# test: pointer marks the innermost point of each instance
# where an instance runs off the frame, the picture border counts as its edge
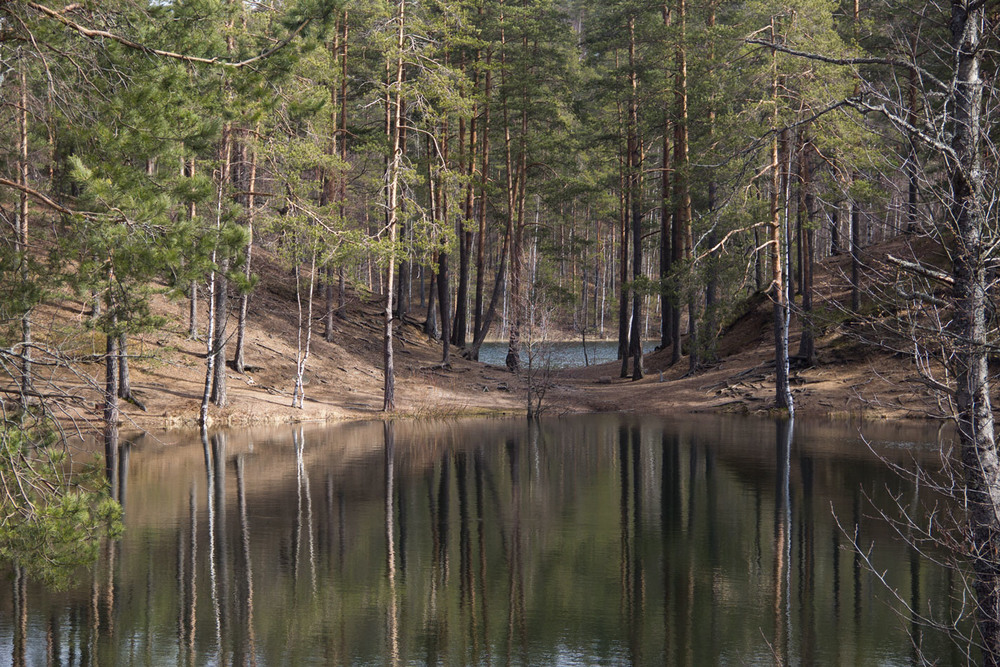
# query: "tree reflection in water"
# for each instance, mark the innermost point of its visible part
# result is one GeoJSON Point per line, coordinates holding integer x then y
{"type": "Point", "coordinates": [590, 540]}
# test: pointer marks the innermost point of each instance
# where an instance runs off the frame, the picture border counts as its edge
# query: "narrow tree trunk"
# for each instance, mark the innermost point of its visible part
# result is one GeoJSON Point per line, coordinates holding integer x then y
{"type": "Point", "coordinates": [624, 305]}
{"type": "Point", "coordinates": [342, 194]}
{"type": "Point", "coordinates": [911, 161]}
{"type": "Point", "coordinates": [22, 223]}
{"type": "Point", "coordinates": [187, 171]}
{"type": "Point", "coordinates": [835, 248]}
{"type": "Point", "coordinates": [302, 351]}
{"type": "Point", "coordinates": [481, 237]}
{"type": "Point", "coordinates": [970, 327]}
{"type": "Point", "coordinates": [111, 406]}
{"type": "Point", "coordinates": [464, 230]}
{"type": "Point", "coordinates": [239, 357]}
{"type": "Point", "coordinates": [807, 345]}
{"type": "Point", "coordinates": [330, 309]}
{"type": "Point", "coordinates": [518, 301]}
{"type": "Point", "coordinates": [635, 200]}
{"type": "Point", "coordinates": [393, 176]}
{"type": "Point", "coordinates": [221, 309]}
{"type": "Point", "coordinates": [124, 377]}
{"type": "Point", "coordinates": [682, 190]}
{"type": "Point", "coordinates": [855, 257]}
{"type": "Point", "coordinates": [445, 306]}
{"type": "Point", "coordinates": [193, 310]}
{"type": "Point", "coordinates": [341, 293]}
{"type": "Point", "coordinates": [221, 287]}
{"type": "Point", "coordinates": [783, 397]}
{"type": "Point", "coordinates": [439, 213]}
{"type": "Point", "coordinates": [712, 286]}
{"type": "Point", "coordinates": [403, 284]}
{"type": "Point", "coordinates": [210, 355]}
{"type": "Point", "coordinates": [431, 319]}
{"type": "Point", "coordinates": [329, 181]}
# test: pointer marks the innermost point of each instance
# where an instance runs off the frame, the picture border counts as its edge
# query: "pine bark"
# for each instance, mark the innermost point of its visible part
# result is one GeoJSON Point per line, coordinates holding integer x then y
{"type": "Point", "coordinates": [220, 291]}
{"type": "Point", "coordinates": [778, 291]}
{"type": "Point", "coordinates": [187, 170]}
{"type": "Point", "coordinates": [682, 192]}
{"type": "Point", "coordinates": [328, 188]}
{"type": "Point", "coordinates": [239, 356]}
{"type": "Point", "coordinates": [112, 413]}
{"type": "Point", "coordinates": [21, 244]}
{"type": "Point", "coordinates": [393, 175]}
{"type": "Point", "coordinates": [666, 301]}
{"type": "Point", "coordinates": [635, 200]}
{"type": "Point", "coordinates": [480, 324]}
{"type": "Point", "coordinates": [855, 257]}
{"type": "Point", "coordinates": [221, 309]}
{"type": "Point", "coordinates": [465, 226]}
{"type": "Point", "coordinates": [624, 304]}
{"type": "Point", "coordinates": [807, 344]}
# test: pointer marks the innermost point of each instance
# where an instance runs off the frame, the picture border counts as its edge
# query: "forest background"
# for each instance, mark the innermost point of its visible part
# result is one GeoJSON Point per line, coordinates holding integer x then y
{"type": "Point", "coordinates": [625, 169]}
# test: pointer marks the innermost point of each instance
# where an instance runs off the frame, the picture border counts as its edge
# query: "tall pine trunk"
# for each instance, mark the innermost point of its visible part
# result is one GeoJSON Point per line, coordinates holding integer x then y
{"type": "Point", "coordinates": [783, 396]}
{"type": "Point", "coordinates": [221, 287]}
{"type": "Point", "coordinates": [807, 345]}
{"type": "Point", "coordinates": [187, 171]}
{"type": "Point", "coordinates": [395, 93]}
{"type": "Point", "coordinates": [666, 216]}
{"type": "Point", "coordinates": [465, 226]}
{"type": "Point", "coordinates": [239, 356]}
{"type": "Point", "coordinates": [480, 324]}
{"type": "Point", "coordinates": [623, 236]}
{"type": "Point", "coordinates": [635, 207]}
{"type": "Point", "coordinates": [682, 192]}
{"type": "Point", "coordinates": [21, 244]}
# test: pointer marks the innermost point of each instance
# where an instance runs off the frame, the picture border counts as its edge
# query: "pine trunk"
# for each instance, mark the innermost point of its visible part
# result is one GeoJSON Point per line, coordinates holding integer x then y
{"type": "Point", "coordinates": [22, 225]}
{"type": "Point", "coordinates": [112, 413]}
{"type": "Point", "coordinates": [219, 397]}
{"type": "Point", "coordinates": [783, 397]}
{"type": "Point", "coordinates": [635, 208]}
{"type": "Point", "coordinates": [394, 124]}
{"type": "Point", "coordinates": [855, 257]}
{"type": "Point", "coordinates": [239, 356]}
{"type": "Point", "coordinates": [682, 192]}
{"type": "Point", "coordinates": [480, 323]}
{"type": "Point", "coordinates": [807, 345]}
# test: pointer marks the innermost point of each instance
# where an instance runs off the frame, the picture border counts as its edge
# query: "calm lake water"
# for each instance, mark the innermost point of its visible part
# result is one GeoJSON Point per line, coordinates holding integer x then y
{"type": "Point", "coordinates": [590, 540]}
{"type": "Point", "coordinates": [565, 354]}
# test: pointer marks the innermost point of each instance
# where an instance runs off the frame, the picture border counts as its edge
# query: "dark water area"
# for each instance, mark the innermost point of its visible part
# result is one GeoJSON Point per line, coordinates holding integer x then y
{"type": "Point", "coordinates": [564, 354]}
{"type": "Point", "coordinates": [594, 540]}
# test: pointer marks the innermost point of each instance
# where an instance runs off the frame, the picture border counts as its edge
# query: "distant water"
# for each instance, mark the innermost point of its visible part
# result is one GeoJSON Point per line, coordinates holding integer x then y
{"type": "Point", "coordinates": [562, 355]}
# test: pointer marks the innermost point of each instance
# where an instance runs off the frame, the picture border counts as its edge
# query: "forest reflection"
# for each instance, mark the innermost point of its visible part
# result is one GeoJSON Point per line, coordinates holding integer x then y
{"type": "Point", "coordinates": [599, 539]}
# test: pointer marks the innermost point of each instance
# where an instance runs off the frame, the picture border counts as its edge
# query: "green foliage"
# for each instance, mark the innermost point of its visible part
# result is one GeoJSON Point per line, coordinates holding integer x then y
{"type": "Point", "coordinates": [55, 512]}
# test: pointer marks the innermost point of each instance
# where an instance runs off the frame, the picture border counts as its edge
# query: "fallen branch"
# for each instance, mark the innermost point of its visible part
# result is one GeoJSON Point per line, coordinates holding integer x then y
{"type": "Point", "coordinates": [922, 270]}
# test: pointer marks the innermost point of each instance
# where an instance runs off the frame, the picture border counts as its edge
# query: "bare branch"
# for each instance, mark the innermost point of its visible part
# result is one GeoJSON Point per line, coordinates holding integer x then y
{"type": "Point", "coordinates": [847, 62]}
{"type": "Point", "coordinates": [922, 270]}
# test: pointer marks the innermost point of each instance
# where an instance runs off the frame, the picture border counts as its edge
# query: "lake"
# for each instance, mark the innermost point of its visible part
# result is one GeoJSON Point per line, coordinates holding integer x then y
{"type": "Point", "coordinates": [563, 354]}
{"type": "Point", "coordinates": [591, 540]}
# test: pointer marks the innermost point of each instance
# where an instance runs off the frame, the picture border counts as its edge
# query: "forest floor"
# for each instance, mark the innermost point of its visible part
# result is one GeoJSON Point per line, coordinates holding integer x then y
{"type": "Point", "coordinates": [344, 377]}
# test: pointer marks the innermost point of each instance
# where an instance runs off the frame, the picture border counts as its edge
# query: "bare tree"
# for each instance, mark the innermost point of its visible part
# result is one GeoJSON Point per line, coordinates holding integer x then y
{"type": "Point", "coordinates": [953, 331]}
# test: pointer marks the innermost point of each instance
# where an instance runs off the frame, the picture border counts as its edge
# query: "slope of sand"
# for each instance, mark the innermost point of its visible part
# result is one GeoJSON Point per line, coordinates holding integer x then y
{"type": "Point", "coordinates": [344, 377]}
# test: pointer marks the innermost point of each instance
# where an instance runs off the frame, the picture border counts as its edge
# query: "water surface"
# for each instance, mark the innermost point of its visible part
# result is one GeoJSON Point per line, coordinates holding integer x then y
{"type": "Point", "coordinates": [595, 540]}
{"type": "Point", "coordinates": [563, 354]}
